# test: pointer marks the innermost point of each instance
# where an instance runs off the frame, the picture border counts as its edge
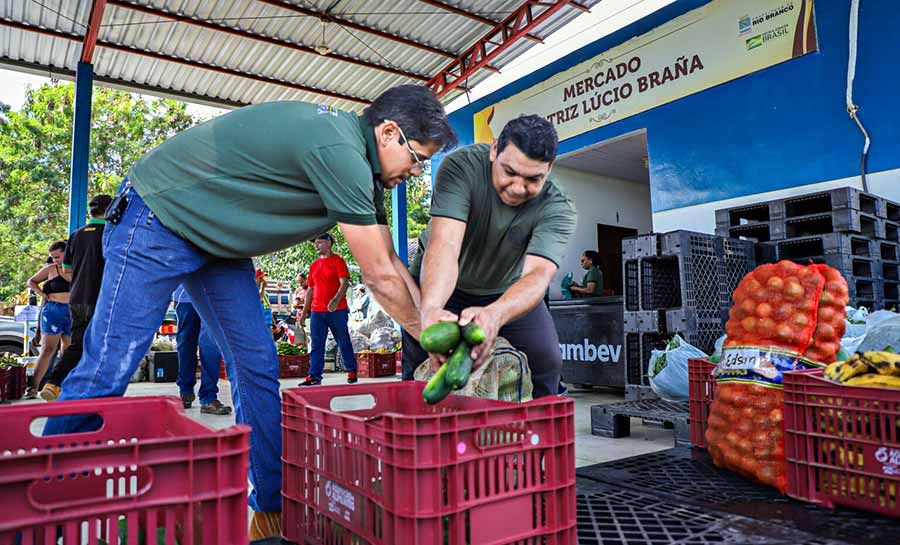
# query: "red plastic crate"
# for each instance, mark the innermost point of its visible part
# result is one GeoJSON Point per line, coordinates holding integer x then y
{"type": "Point", "coordinates": [372, 365]}
{"type": "Point", "coordinates": [293, 366]}
{"type": "Point", "coordinates": [17, 384]}
{"type": "Point", "coordinates": [159, 470]}
{"type": "Point", "coordinates": [4, 384]}
{"type": "Point", "coordinates": [702, 388]}
{"type": "Point", "coordinates": [400, 471]}
{"type": "Point", "coordinates": [842, 443]}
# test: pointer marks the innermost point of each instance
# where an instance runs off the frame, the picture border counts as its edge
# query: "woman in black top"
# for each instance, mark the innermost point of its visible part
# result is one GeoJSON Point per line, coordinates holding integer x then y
{"type": "Point", "coordinates": [56, 323]}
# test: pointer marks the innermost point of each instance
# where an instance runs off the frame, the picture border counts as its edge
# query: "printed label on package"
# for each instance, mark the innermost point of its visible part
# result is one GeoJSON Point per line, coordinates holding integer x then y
{"type": "Point", "coordinates": [764, 366]}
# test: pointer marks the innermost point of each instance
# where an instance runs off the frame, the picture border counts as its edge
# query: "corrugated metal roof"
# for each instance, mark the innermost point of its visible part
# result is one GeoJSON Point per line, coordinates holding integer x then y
{"type": "Point", "coordinates": [220, 57]}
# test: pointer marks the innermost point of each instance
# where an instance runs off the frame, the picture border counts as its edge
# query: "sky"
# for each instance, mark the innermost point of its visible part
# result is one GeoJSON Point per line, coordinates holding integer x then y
{"type": "Point", "coordinates": [604, 18]}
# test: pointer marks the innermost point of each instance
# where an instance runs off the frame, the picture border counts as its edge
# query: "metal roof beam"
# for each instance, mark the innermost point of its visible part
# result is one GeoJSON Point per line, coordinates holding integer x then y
{"type": "Point", "coordinates": [93, 28]}
{"type": "Point", "coordinates": [362, 28]}
{"type": "Point", "coordinates": [579, 5]}
{"type": "Point", "coordinates": [492, 44]}
{"type": "Point", "coordinates": [185, 62]}
{"type": "Point", "coordinates": [260, 38]}
{"type": "Point", "coordinates": [473, 16]}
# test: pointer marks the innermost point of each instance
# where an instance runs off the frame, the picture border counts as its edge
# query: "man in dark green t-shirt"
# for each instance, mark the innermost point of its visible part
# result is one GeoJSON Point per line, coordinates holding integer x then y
{"type": "Point", "coordinates": [498, 230]}
{"type": "Point", "coordinates": [194, 210]}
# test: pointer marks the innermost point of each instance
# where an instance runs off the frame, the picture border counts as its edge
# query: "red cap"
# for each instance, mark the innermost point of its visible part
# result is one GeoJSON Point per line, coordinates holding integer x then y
{"type": "Point", "coordinates": [260, 273]}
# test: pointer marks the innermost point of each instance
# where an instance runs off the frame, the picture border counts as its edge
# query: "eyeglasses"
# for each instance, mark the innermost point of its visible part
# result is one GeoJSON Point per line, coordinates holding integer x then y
{"type": "Point", "coordinates": [415, 156]}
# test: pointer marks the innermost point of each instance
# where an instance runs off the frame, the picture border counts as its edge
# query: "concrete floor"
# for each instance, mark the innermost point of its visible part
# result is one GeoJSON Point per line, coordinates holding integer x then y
{"type": "Point", "coordinates": [589, 449]}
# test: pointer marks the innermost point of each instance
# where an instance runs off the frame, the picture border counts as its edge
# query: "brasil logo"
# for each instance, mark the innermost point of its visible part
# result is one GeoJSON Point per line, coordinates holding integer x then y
{"type": "Point", "coordinates": [754, 42]}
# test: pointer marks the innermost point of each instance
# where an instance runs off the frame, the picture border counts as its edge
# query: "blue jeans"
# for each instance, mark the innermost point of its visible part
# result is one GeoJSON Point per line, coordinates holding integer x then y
{"type": "Point", "coordinates": [319, 324]}
{"type": "Point", "coordinates": [191, 333]}
{"type": "Point", "coordinates": [55, 319]}
{"type": "Point", "coordinates": [145, 262]}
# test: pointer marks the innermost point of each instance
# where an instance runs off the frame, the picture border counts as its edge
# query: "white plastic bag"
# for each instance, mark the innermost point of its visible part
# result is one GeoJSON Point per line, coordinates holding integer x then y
{"type": "Point", "coordinates": [382, 338]}
{"type": "Point", "coordinates": [668, 369]}
{"type": "Point", "coordinates": [856, 322]}
{"type": "Point", "coordinates": [882, 331]}
{"type": "Point", "coordinates": [360, 342]}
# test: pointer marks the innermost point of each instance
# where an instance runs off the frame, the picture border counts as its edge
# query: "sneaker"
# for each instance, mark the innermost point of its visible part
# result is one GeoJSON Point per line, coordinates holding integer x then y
{"type": "Point", "coordinates": [50, 392]}
{"type": "Point", "coordinates": [187, 400]}
{"type": "Point", "coordinates": [31, 393]}
{"type": "Point", "coordinates": [311, 381]}
{"type": "Point", "coordinates": [351, 377]}
{"type": "Point", "coordinates": [215, 407]}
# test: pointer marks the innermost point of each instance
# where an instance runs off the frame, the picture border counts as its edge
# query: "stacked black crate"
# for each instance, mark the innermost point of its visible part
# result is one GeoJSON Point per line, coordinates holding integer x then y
{"type": "Point", "coordinates": [679, 282]}
{"type": "Point", "coordinates": [855, 232]}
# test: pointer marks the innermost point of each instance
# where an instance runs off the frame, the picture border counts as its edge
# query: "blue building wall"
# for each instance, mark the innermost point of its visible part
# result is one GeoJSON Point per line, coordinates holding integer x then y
{"type": "Point", "coordinates": [781, 127]}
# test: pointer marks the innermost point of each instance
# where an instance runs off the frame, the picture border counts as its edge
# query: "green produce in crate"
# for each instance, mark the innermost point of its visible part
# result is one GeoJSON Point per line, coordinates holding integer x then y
{"type": "Point", "coordinates": [473, 333]}
{"type": "Point", "coordinates": [7, 362]}
{"type": "Point", "coordinates": [459, 366]}
{"type": "Point", "coordinates": [440, 337]}
{"type": "Point", "coordinates": [438, 387]}
{"type": "Point", "coordinates": [288, 349]}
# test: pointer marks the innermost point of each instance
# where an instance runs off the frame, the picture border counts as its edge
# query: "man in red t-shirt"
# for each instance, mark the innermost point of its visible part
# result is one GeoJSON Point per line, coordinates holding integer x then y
{"type": "Point", "coordinates": [326, 306]}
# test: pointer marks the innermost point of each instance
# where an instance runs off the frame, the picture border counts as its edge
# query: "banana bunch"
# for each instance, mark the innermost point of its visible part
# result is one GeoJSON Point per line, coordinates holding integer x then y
{"type": "Point", "coordinates": [878, 369]}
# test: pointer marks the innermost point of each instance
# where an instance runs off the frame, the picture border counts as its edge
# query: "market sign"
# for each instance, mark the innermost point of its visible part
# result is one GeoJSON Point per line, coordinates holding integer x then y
{"type": "Point", "coordinates": [713, 44]}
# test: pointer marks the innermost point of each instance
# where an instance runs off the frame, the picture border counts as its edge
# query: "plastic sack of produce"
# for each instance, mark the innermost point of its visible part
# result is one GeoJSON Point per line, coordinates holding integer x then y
{"type": "Point", "coordinates": [716, 356]}
{"type": "Point", "coordinates": [856, 321]}
{"type": "Point", "coordinates": [505, 376]}
{"type": "Point", "coordinates": [382, 339]}
{"type": "Point", "coordinates": [785, 317]}
{"type": "Point", "coordinates": [882, 332]}
{"type": "Point", "coordinates": [360, 342]}
{"type": "Point", "coordinates": [668, 369]}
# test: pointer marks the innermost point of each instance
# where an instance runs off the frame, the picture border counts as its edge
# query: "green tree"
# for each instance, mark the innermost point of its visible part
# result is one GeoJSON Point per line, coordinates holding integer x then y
{"type": "Point", "coordinates": [35, 155]}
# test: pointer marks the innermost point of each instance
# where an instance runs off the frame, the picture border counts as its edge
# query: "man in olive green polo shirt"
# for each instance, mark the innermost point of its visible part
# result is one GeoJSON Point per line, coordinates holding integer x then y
{"type": "Point", "coordinates": [498, 230]}
{"type": "Point", "coordinates": [196, 208]}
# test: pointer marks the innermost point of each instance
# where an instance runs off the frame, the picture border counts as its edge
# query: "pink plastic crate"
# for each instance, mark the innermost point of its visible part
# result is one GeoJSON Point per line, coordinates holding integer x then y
{"type": "Point", "coordinates": [702, 389]}
{"type": "Point", "coordinates": [399, 471]}
{"type": "Point", "coordinates": [842, 443]}
{"type": "Point", "coordinates": [149, 468]}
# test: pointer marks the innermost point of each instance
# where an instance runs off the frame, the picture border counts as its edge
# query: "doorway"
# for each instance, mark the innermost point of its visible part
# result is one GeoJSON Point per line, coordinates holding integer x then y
{"type": "Point", "coordinates": [609, 182]}
{"type": "Point", "coordinates": [609, 238]}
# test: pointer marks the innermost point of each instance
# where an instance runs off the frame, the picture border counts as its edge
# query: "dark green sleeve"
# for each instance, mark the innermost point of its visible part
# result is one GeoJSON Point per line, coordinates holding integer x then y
{"type": "Point", "coordinates": [593, 275]}
{"type": "Point", "coordinates": [553, 233]}
{"type": "Point", "coordinates": [452, 190]}
{"type": "Point", "coordinates": [343, 179]}
{"type": "Point", "coordinates": [380, 213]}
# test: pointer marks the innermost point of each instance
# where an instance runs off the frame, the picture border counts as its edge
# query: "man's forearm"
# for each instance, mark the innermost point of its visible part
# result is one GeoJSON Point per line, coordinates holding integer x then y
{"type": "Point", "coordinates": [393, 294]}
{"type": "Point", "coordinates": [342, 289]}
{"type": "Point", "coordinates": [520, 298]}
{"type": "Point", "coordinates": [440, 271]}
{"type": "Point", "coordinates": [307, 301]}
{"type": "Point", "coordinates": [411, 285]}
